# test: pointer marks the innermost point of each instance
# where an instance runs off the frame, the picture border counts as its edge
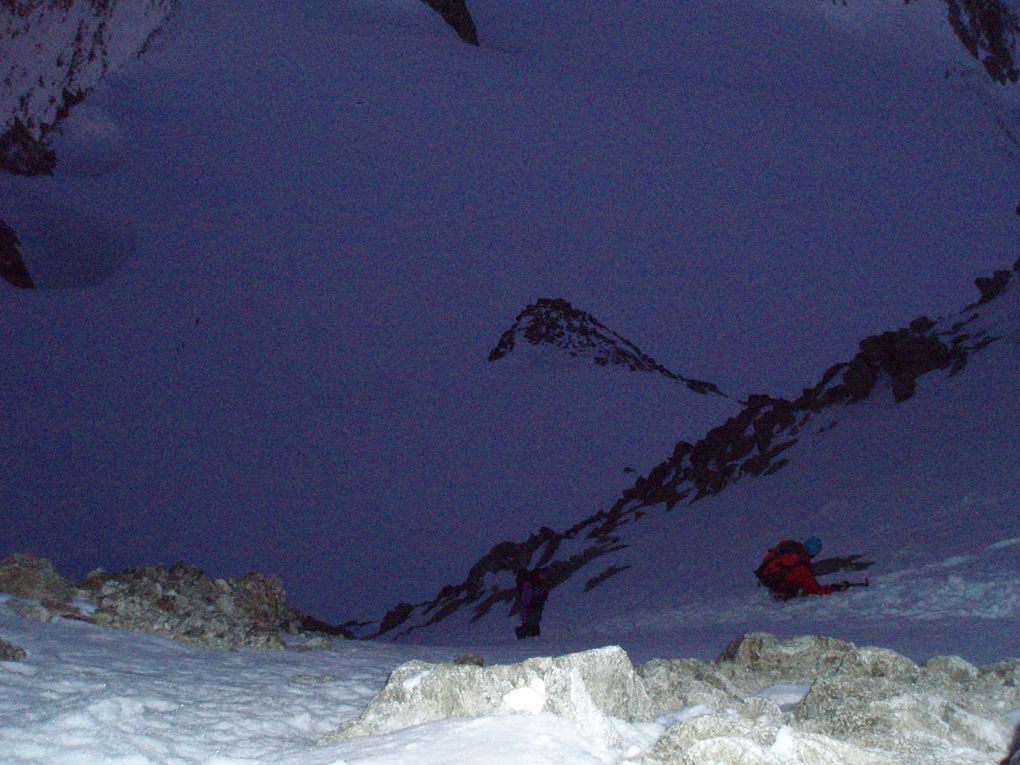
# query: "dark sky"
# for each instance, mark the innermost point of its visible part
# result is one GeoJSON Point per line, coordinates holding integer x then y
{"type": "Point", "coordinates": [310, 229]}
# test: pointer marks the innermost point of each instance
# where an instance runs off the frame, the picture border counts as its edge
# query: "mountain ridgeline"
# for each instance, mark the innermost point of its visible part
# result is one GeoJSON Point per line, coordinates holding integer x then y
{"type": "Point", "coordinates": [557, 324]}
{"type": "Point", "coordinates": [755, 442]}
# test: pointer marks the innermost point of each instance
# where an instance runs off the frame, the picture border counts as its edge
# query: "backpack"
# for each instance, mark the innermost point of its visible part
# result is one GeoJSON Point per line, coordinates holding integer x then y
{"type": "Point", "coordinates": [779, 562]}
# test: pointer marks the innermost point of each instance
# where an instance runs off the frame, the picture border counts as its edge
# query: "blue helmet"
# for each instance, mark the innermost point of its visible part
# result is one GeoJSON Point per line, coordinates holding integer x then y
{"type": "Point", "coordinates": [813, 545]}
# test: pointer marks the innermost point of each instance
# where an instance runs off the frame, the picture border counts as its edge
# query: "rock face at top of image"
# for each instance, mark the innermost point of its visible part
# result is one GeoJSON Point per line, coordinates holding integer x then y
{"type": "Point", "coordinates": [764, 701]}
{"type": "Point", "coordinates": [51, 55]}
{"type": "Point", "coordinates": [555, 323]}
{"type": "Point", "coordinates": [758, 440]}
{"type": "Point", "coordinates": [456, 14]}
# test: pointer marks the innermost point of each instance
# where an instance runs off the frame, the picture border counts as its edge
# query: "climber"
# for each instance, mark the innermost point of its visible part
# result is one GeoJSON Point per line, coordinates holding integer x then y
{"type": "Point", "coordinates": [532, 590]}
{"type": "Point", "coordinates": [787, 572]}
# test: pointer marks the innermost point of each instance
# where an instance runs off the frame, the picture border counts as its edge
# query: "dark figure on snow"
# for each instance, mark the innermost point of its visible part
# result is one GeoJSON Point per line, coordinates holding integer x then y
{"type": "Point", "coordinates": [787, 572]}
{"type": "Point", "coordinates": [532, 590]}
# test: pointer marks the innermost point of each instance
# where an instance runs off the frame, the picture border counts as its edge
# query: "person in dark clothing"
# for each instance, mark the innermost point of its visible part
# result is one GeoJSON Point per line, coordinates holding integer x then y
{"type": "Point", "coordinates": [786, 570]}
{"type": "Point", "coordinates": [532, 590]}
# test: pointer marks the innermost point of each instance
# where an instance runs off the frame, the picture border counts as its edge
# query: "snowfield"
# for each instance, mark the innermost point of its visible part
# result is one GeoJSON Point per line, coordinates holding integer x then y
{"type": "Point", "coordinates": [302, 228]}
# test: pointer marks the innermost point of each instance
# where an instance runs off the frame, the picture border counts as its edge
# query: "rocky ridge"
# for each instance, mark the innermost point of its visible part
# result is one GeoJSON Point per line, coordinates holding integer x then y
{"type": "Point", "coordinates": [764, 701]}
{"type": "Point", "coordinates": [179, 602]}
{"type": "Point", "coordinates": [555, 323]}
{"type": "Point", "coordinates": [754, 442]}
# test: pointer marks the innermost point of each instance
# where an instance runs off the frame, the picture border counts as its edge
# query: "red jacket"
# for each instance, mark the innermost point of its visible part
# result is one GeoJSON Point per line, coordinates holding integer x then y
{"type": "Point", "coordinates": [798, 578]}
{"type": "Point", "coordinates": [801, 578]}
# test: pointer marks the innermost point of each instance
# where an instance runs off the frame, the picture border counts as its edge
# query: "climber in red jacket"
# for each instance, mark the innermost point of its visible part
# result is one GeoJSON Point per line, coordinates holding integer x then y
{"type": "Point", "coordinates": [786, 570]}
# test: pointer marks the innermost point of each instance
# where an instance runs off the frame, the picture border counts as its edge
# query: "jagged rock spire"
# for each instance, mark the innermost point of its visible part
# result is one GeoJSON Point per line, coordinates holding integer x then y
{"type": "Point", "coordinates": [555, 322]}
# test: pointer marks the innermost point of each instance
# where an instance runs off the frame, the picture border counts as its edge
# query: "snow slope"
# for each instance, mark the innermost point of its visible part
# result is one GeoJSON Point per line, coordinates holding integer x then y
{"type": "Point", "coordinates": [923, 490]}
{"type": "Point", "coordinates": [310, 228]}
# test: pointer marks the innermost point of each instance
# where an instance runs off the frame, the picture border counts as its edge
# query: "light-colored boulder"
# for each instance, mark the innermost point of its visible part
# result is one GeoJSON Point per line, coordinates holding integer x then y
{"type": "Point", "coordinates": [805, 658]}
{"type": "Point", "coordinates": [726, 738]}
{"type": "Point", "coordinates": [676, 684]}
{"type": "Point", "coordinates": [589, 688]}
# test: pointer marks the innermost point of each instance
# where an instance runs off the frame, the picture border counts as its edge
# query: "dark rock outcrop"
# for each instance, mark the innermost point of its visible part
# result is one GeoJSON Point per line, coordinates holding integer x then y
{"type": "Point", "coordinates": [456, 14]}
{"type": "Point", "coordinates": [988, 30]}
{"type": "Point", "coordinates": [554, 322]}
{"type": "Point", "coordinates": [21, 153]}
{"type": "Point", "coordinates": [992, 286]}
{"type": "Point", "coordinates": [299, 623]}
{"type": "Point", "coordinates": [12, 265]}
{"type": "Point", "coordinates": [11, 652]}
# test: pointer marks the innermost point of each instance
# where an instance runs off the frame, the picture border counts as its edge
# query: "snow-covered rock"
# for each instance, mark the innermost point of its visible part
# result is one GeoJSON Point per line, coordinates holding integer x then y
{"type": "Point", "coordinates": [589, 688]}
{"type": "Point", "coordinates": [861, 705]}
{"type": "Point", "coordinates": [728, 738]}
{"type": "Point", "coordinates": [841, 704]}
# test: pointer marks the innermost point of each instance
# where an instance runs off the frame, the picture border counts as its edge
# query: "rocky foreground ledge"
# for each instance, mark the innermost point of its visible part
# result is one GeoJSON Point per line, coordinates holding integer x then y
{"type": "Point", "coordinates": [763, 702]}
{"type": "Point", "coordinates": [179, 602]}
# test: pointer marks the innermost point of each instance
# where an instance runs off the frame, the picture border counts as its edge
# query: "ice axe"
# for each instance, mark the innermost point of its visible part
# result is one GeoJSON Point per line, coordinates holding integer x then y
{"type": "Point", "coordinates": [841, 586]}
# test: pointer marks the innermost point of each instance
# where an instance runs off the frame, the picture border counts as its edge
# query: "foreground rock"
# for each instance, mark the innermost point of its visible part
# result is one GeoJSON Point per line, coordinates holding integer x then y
{"type": "Point", "coordinates": [30, 578]}
{"type": "Point", "coordinates": [588, 688]}
{"type": "Point", "coordinates": [845, 706]}
{"type": "Point", "coordinates": [810, 700]}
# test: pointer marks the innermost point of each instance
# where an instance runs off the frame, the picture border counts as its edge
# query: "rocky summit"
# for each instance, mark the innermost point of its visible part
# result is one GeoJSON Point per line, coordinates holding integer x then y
{"type": "Point", "coordinates": [555, 323]}
{"type": "Point", "coordinates": [763, 701]}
